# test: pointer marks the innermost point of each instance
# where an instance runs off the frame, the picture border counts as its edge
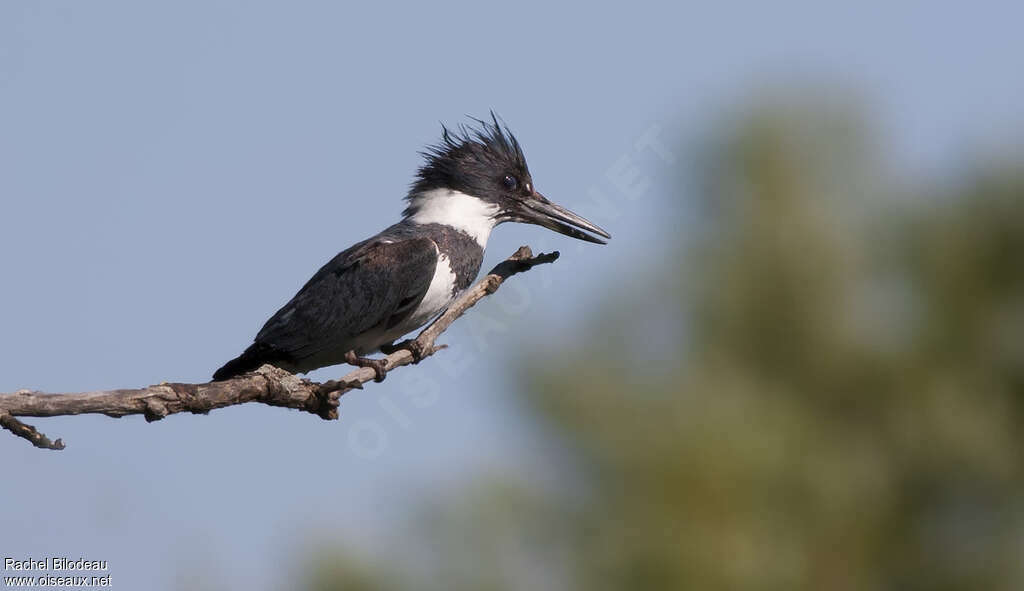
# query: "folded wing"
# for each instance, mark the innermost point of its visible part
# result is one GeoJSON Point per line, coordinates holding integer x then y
{"type": "Point", "coordinates": [370, 285]}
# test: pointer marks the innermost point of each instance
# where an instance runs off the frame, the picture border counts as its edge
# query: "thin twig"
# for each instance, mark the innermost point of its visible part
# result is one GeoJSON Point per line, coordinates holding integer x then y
{"type": "Point", "coordinates": [28, 432]}
{"type": "Point", "coordinates": [268, 384]}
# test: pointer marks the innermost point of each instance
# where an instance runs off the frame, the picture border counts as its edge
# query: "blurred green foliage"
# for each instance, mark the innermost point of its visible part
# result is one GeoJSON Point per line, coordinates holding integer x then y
{"type": "Point", "coordinates": [838, 402]}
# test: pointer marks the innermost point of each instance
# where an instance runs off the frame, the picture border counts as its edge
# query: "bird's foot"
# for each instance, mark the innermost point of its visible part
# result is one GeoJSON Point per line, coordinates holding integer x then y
{"type": "Point", "coordinates": [417, 350]}
{"type": "Point", "coordinates": [379, 366]}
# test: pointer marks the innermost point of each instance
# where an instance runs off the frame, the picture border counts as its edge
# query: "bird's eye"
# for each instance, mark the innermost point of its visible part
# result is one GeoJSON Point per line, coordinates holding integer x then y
{"type": "Point", "coordinates": [510, 182]}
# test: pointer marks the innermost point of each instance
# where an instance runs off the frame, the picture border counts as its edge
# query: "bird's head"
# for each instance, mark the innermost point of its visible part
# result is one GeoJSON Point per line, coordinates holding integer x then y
{"type": "Point", "coordinates": [476, 178]}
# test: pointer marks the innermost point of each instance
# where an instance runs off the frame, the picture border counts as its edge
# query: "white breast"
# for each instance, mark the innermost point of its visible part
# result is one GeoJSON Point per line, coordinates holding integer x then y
{"type": "Point", "coordinates": [439, 294]}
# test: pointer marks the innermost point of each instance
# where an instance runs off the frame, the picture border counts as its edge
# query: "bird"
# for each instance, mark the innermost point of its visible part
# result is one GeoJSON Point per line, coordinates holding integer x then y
{"type": "Point", "coordinates": [378, 290]}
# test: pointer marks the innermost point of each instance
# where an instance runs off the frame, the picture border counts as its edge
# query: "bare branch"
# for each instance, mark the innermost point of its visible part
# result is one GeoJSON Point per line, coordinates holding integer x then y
{"type": "Point", "coordinates": [268, 384]}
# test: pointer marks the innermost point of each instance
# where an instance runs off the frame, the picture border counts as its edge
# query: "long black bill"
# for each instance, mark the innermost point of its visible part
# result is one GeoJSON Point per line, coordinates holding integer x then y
{"type": "Point", "coordinates": [538, 210]}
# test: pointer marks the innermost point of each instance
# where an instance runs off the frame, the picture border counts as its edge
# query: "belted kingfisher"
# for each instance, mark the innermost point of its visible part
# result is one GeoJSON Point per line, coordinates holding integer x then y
{"type": "Point", "coordinates": [379, 289]}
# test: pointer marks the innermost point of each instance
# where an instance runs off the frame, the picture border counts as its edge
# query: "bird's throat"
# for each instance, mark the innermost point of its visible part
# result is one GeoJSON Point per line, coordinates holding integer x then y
{"type": "Point", "coordinates": [463, 212]}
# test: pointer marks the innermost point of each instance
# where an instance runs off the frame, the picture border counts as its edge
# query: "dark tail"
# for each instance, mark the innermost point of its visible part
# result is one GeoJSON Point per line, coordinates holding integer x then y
{"type": "Point", "coordinates": [256, 355]}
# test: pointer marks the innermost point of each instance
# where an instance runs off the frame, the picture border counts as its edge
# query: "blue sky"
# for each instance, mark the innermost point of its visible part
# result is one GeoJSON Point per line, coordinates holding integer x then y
{"type": "Point", "coordinates": [171, 173]}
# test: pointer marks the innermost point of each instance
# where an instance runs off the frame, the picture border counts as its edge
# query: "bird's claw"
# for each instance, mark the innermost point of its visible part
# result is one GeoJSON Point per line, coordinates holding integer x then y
{"type": "Point", "coordinates": [379, 366]}
{"type": "Point", "coordinates": [414, 347]}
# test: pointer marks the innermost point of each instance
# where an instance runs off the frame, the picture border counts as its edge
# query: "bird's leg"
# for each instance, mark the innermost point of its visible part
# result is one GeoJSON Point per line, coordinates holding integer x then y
{"type": "Point", "coordinates": [379, 366]}
{"type": "Point", "coordinates": [413, 346]}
